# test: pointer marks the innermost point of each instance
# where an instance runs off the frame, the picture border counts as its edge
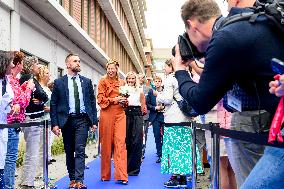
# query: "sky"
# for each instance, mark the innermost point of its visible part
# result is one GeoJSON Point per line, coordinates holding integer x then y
{"type": "Point", "coordinates": [164, 23]}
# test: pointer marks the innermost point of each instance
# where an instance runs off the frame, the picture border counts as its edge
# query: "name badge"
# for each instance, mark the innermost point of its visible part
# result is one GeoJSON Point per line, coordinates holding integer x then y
{"type": "Point", "coordinates": [234, 103]}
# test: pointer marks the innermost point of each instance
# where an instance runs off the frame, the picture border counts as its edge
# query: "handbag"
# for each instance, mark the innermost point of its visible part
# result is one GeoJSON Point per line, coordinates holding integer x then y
{"type": "Point", "coordinates": [185, 108]}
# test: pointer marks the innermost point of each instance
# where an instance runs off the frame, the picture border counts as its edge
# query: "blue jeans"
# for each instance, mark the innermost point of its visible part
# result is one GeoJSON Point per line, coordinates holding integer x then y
{"type": "Point", "coordinates": [1, 179]}
{"type": "Point", "coordinates": [243, 155]}
{"type": "Point", "coordinates": [11, 158]}
{"type": "Point", "coordinates": [269, 170]}
{"type": "Point", "coordinates": [157, 125]}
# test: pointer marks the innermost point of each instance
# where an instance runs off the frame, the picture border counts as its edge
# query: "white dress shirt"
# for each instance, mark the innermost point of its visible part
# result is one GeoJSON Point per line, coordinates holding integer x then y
{"type": "Point", "coordinates": [71, 94]}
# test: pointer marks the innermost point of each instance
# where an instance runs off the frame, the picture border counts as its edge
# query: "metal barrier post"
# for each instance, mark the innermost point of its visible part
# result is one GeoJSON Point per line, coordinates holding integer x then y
{"type": "Point", "coordinates": [193, 152]}
{"type": "Point", "coordinates": [45, 154]}
{"type": "Point", "coordinates": [215, 160]}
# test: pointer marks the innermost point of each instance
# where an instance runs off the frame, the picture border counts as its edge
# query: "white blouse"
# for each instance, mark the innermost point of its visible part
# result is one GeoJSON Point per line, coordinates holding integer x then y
{"type": "Point", "coordinates": [5, 108]}
{"type": "Point", "coordinates": [134, 97]}
{"type": "Point", "coordinates": [172, 112]}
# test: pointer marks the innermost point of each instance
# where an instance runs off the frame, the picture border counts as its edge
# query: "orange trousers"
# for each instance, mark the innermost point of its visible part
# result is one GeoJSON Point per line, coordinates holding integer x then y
{"type": "Point", "coordinates": [112, 137]}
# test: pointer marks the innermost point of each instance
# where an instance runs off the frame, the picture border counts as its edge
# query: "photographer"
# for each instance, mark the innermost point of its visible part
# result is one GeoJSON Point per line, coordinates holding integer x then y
{"type": "Point", "coordinates": [225, 65]}
{"type": "Point", "coordinates": [243, 155]}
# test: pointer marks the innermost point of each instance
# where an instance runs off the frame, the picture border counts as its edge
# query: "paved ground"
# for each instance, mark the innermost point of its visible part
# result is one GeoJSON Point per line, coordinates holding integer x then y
{"type": "Point", "coordinates": [55, 174]}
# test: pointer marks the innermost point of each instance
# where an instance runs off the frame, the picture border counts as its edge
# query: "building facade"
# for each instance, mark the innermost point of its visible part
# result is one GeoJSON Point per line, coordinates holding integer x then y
{"type": "Point", "coordinates": [97, 30]}
{"type": "Point", "coordinates": [160, 55]}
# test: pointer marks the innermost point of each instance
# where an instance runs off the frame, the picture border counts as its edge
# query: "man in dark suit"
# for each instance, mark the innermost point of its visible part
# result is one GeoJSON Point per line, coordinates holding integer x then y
{"type": "Point", "coordinates": [156, 116]}
{"type": "Point", "coordinates": [73, 111]}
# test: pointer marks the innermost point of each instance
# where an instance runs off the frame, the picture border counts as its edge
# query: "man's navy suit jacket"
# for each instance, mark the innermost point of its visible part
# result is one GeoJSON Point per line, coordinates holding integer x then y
{"type": "Point", "coordinates": [59, 104]}
{"type": "Point", "coordinates": [151, 104]}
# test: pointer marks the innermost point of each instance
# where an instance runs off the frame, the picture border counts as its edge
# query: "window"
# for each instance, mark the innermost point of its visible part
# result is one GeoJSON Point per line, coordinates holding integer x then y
{"type": "Point", "coordinates": [95, 89]}
{"type": "Point", "coordinates": [59, 72]}
{"type": "Point", "coordinates": [40, 60]}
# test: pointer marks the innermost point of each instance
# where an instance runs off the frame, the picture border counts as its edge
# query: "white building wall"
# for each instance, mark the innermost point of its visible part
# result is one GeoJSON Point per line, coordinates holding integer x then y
{"type": "Point", "coordinates": [5, 31]}
{"type": "Point", "coordinates": [22, 28]}
{"type": "Point", "coordinates": [40, 38]}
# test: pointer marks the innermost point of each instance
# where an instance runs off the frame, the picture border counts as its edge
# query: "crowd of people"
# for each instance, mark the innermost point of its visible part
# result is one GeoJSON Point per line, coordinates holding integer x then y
{"type": "Point", "coordinates": [28, 102]}
{"type": "Point", "coordinates": [236, 66]}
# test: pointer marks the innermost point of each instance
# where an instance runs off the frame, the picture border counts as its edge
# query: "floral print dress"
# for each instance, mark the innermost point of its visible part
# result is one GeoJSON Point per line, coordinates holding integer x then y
{"type": "Point", "coordinates": [177, 140]}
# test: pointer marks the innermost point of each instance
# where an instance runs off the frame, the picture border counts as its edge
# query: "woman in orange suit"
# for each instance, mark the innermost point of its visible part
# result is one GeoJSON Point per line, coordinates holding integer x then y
{"type": "Point", "coordinates": [112, 125]}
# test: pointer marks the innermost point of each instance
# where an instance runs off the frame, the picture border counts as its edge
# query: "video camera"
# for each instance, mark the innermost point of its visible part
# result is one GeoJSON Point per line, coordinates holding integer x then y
{"type": "Point", "coordinates": [187, 49]}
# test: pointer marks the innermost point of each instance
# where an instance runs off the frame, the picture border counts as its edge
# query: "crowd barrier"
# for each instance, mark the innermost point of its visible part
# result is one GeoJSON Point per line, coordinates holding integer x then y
{"type": "Point", "coordinates": [44, 124]}
{"type": "Point", "coordinates": [216, 132]}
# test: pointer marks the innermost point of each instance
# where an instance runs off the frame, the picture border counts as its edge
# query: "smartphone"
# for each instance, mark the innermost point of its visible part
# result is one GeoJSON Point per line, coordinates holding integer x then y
{"type": "Point", "coordinates": [277, 66]}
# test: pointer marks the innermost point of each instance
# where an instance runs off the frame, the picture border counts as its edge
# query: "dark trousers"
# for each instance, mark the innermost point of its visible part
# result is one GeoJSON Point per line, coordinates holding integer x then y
{"type": "Point", "coordinates": [75, 134]}
{"type": "Point", "coordinates": [146, 126]}
{"type": "Point", "coordinates": [157, 125]}
{"type": "Point", "coordinates": [134, 139]}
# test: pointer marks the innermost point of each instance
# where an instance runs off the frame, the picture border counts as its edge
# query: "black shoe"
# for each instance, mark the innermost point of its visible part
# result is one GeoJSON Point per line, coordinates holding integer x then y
{"type": "Point", "coordinates": [123, 182]}
{"type": "Point", "coordinates": [201, 174]}
{"type": "Point", "coordinates": [172, 184]}
{"type": "Point", "coordinates": [52, 160]}
{"type": "Point", "coordinates": [104, 180]}
{"type": "Point", "coordinates": [158, 160]}
{"type": "Point", "coordinates": [206, 165]}
{"type": "Point", "coordinates": [95, 156]}
{"type": "Point", "coordinates": [173, 177]}
{"type": "Point", "coordinates": [27, 187]}
{"type": "Point", "coordinates": [182, 181]}
{"type": "Point", "coordinates": [134, 173]}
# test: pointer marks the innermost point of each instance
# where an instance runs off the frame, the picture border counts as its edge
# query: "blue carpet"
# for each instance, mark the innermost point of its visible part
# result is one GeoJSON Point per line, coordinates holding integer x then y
{"type": "Point", "coordinates": [149, 177]}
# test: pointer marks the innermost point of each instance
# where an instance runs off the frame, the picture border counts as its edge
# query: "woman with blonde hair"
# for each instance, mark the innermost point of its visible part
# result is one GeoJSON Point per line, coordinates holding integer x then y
{"type": "Point", "coordinates": [44, 77]}
{"type": "Point", "coordinates": [112, 125]}
{"type": "Point", "coordinates": [134, 124]}
{"type": "Point", "coordinates": [34, 113]}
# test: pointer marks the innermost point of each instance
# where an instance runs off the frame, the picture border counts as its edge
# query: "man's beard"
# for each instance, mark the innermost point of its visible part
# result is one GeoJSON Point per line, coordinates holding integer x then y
{"type": "Point", "coordinates": [76, 69]}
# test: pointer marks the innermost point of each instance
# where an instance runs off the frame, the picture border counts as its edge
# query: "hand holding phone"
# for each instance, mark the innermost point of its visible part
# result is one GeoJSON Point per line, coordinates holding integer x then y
{"type": "Point", "coordinates": [277, 66]}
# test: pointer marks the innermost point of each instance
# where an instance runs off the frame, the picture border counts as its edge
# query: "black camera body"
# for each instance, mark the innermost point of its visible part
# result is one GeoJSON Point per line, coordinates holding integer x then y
{"type": "Point", "coordinates": [188, 50]}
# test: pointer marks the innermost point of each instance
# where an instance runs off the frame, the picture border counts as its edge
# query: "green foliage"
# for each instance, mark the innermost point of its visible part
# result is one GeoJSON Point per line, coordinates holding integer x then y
{"type": "Point", "coordinates": [21, 154]}
{"type": "Point", "coordinates": [57, 146]}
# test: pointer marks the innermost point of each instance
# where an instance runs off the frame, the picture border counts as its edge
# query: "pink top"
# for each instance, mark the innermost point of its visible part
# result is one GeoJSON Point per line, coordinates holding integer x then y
{"type": "Point", "coordinates": [223, 116]}
{"type": "Point", "coordinates": [22, 97]}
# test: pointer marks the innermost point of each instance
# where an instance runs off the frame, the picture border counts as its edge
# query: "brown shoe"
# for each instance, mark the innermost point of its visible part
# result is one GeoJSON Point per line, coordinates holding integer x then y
{"type": "Point", "coordinates": [80, 185]}
{"type": "Point", "coordinates": [72, 184]}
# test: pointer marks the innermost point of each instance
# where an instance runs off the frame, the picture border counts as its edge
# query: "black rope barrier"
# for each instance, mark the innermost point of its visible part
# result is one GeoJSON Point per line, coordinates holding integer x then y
{"type": "Point", "coordinates": [256, 138]}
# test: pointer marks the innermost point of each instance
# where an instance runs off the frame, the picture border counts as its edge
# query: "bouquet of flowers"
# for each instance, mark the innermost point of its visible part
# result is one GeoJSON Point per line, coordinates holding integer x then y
{"type": "Point", "coordinates": [125, 90]}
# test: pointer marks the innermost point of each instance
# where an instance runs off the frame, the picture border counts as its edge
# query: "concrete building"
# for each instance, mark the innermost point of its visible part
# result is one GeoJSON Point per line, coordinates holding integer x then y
{"type": "Point", "coordinates": [160, 55]}
{"type": "Point", "coordinates": [149, 71]}
{"type": "Point", "coordinates": [97, 30]}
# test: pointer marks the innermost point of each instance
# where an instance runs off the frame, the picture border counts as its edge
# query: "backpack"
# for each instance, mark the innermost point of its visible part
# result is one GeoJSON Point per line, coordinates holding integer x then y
{"type": "Point", "coordinates": [186, 109]}
{"type": "Point", "coordinates": [272, 9]}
